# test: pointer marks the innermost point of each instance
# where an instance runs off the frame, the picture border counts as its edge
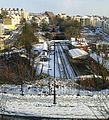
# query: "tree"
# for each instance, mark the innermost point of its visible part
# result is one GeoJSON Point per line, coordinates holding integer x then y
{"type": "Point", "coordinates": [1, 16]}
{"type": "Point", "coordinates": [26, 40]}
{"type": "Point", "coordinates": [44, 26]}
{"type": "Point", "coordinates": [34, 26]}
{"type": "Point", "coordinates": [69, 26]}
{"type": "Point", "coordinates": [49, 35]}
{"type": "Point", "coordinates": [101, 52]}
{"type": "Point", "coordinates": [4, 13]}
{"type": "Point", "coordinates": [27, 37]}
{"type": "Point", "coordinates": [23, 21]}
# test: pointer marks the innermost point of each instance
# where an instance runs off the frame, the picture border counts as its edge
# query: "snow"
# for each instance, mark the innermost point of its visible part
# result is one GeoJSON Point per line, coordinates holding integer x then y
{"type": "Point", "coordinates": [37, 102]}
{"type": "Point", "coordinates": [45, 46]}
{"type": "Point", "coordinates": [76, 53]}
{"type": "Point", "coordinates": [67, 106]}
{"type": "Point", "coordinates": [69, 71]}
{"type": "Point", "coordinates": [59, 41]}
{"type": "Point", "coordinates": [51, 64]}
{"type": "Point", "coordinates": [62, 66]}
{"type": "Point", "coordinates": [74, 43]}
{"type": "Point", "coordinates": [104, 35]}
{"type": "Point", "coordinates": [38, 47]}
{"type": "Point", "coordinates": [85, 17]}
{"type": "Point", "coordinates": [87, 76]}
{"type": "Point", "coordinates": [99, 59]}
{"type": "Point", "coordinates": [79, 42]}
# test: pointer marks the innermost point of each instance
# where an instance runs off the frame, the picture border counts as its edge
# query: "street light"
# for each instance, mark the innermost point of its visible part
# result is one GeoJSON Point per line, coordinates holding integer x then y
{"type": "Point", "coordinates": [49, 69]}
{"type": "Point", "coordinates": [54, 92]}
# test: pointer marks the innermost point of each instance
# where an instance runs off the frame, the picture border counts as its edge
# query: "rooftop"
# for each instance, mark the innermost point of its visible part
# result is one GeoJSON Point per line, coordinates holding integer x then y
{"type": "Point", "coordinates": [77, 53]}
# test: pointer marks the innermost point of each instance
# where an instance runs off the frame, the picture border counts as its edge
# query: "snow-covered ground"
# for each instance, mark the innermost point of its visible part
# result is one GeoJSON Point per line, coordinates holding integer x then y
{"type": "Point", "coordinates": [104, 35]}
{"type": "Point", "coordinates": [42, 88]}
{"type": "Point", "coordinates": [37, 102]}
{"type": "Point", "coordinates": [63, 68]}
{"type": "Point", "coordinates": [67, 106]}
{"type": "Point", "coordinates": [100, 60]}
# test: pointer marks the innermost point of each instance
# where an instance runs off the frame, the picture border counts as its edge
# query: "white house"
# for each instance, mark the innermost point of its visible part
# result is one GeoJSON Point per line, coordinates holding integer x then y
{"type": "Point", "coordinates": [1, 27]}
{"type": "Point", "coordinates": [106, 26]}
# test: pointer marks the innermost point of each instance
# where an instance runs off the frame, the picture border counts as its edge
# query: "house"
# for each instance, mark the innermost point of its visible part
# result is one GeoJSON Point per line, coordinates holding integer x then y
{"type": "Point", "coordinates": [62, 15]}
{"type": "Point", "coordinates": [96, 21]}
{"type": "Point", "coordinates": [85, 21]}
{"type": "Point", "coordinates": [77, 18]}
{"type": "Point", "coordinates": [39, 18]}
{"type": "Point", "coordinates": [80, 43]}
{"type": "Point", "coordinates": [1, 27]}
{"type": "Point", "coordinates": [12, 11]}
{"type": "Point", "coordinates": [106, 26]}
{"type": "Point", "coordinates": [2, 43]}
{"type": "Point", "coordinates": [51, 16]}
{"type": "Point", "coordinates": [11, 22]}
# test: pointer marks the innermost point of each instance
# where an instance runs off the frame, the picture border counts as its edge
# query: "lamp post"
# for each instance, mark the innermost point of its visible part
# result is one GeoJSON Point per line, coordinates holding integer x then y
{"type": "Point", "coordinates": [49, 69]}
{"type": "Point", "coordinates": [54, 92]}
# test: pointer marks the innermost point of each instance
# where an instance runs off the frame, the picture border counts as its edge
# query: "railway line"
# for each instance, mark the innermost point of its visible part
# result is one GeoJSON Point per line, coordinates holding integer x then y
{"type": "Point", "coordinates": [61, 62]}
{"type": "Point", "coordinates": [65, 69]}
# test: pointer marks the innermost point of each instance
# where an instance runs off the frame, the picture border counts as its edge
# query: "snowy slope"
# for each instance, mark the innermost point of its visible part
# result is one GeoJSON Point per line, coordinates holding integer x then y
{"type": "Point", "coordinates": [67, 106]}
{"type": "Point", "coordinates": [37, 102]}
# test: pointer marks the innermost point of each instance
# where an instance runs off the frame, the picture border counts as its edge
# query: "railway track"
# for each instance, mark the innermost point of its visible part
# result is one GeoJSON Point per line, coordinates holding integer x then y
{"type": "Point", "coordinates": [66, 71]}
{"type": "Point", "coordinates": [73, 71]}
{"type": "Point", "coordinates": [61, 63]}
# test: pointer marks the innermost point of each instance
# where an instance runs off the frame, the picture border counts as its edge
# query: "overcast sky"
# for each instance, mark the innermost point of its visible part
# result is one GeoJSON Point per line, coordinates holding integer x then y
{"type": "Point", "coordinates": [71, 7]}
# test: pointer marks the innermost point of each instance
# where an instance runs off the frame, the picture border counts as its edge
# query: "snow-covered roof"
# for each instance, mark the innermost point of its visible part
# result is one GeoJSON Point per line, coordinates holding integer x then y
{"type": "Point", "coordinates": [45, 46]}
{"type": "Point", "coordinates": [38, 47]}
{"type": "Point", "coordinates": [74, 43]}
{"type": "Point", "coordinates": [85, 17]}
{"type": "Point", "coordinates": [87, 76]}
{"type": "Point", "coordinates": [72, 39]}
{"type": "Point", "coordinates": [77, 53]}
{"type": "Point", "coordinates": [103, 43]}
{"type": "Point", "coordinates": [79, 42]}
{"type": "Point", "coordinates": [59, 41]}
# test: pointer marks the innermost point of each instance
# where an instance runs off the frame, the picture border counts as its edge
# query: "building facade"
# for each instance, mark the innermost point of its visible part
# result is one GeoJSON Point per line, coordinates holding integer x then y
{"type": "Point", "coordinates": [106, 26]}
{"type": "Point", "coordinates": [1, 27]}
{"type": "Point", "coordinates": [13, 17]}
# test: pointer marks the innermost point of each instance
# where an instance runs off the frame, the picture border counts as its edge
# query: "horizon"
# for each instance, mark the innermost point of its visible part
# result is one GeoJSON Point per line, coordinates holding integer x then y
{"type": "Point", "coordinates": [71, 7]}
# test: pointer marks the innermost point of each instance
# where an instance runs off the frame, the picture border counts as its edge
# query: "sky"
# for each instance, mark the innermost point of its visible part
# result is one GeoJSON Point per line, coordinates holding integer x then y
{"type": "Point", "coordinates": [70, 7]}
